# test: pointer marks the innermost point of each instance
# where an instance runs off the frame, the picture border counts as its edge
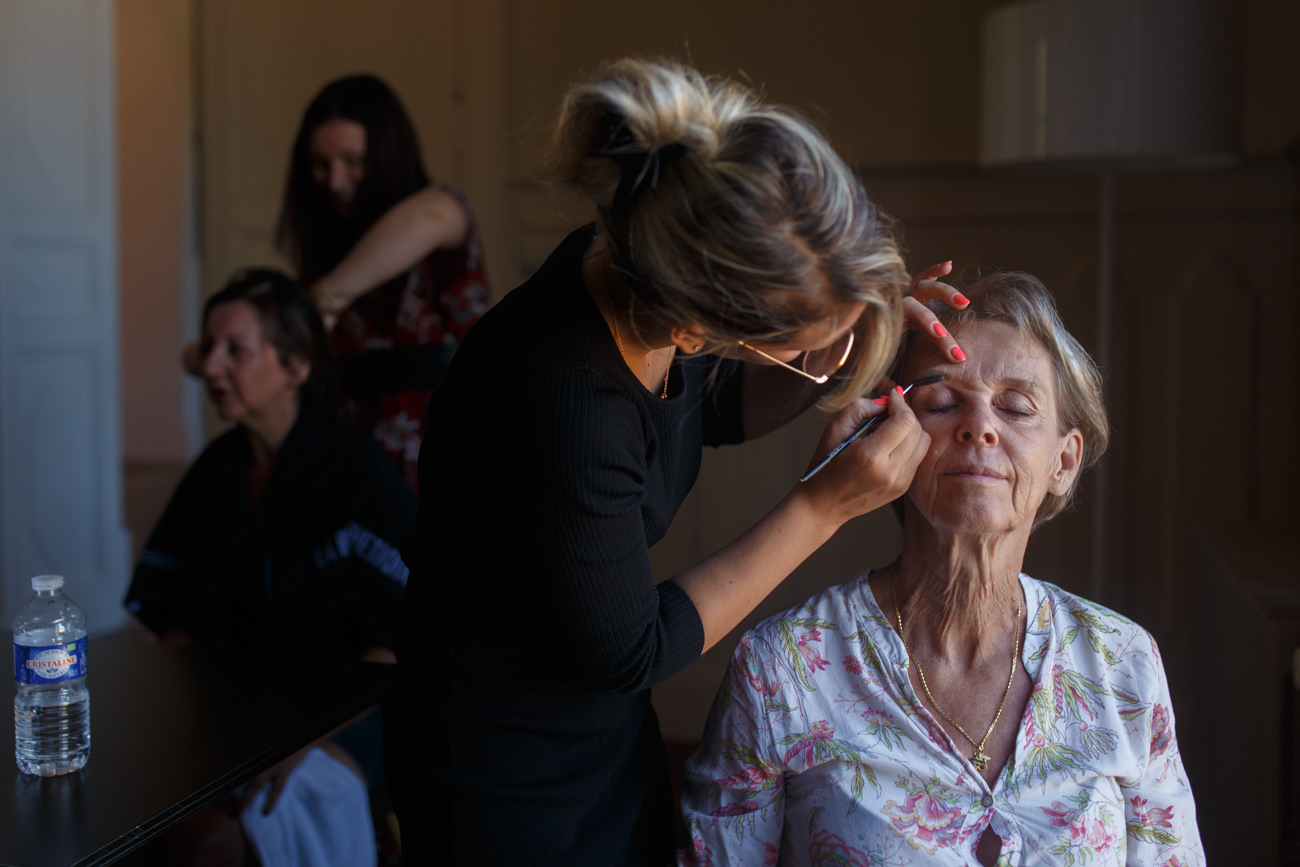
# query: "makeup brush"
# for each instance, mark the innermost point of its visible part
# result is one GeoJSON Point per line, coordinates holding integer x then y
{"type": "Point", "coordinates": [865, 428]}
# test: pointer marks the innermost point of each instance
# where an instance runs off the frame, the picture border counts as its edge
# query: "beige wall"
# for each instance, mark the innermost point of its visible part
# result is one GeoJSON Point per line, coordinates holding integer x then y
{"type": "Point", "coordinates": [892, 83]}
{"type": "Point", "coordinates": [156, 213]}
{"type": "Point", "coordinates": [895, 85]}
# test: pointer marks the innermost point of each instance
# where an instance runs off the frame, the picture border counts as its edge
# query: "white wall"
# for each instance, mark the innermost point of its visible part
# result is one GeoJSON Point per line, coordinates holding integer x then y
{"type": "Point", "coordinates": [60, 449]}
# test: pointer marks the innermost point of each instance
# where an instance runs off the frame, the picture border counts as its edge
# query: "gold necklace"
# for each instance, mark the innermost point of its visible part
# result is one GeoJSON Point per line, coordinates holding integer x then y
{"type": "Point", "coordinates": [618, 341]}
{"type": "Point", "coordinates": [618, 338]}
{"type": "Point", "coordinates": [981, 759]}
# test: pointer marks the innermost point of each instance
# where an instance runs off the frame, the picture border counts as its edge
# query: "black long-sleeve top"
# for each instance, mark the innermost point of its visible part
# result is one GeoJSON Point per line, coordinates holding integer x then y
{"type": "Point", "coordinates": [521, 730]}
{"type": "Point", "coordinates": [316, 566]}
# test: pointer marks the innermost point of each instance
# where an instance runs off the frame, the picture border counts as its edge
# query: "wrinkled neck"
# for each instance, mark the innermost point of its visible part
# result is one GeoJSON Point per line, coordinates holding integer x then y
{"type": "Point", "coordinates": [957, 595]}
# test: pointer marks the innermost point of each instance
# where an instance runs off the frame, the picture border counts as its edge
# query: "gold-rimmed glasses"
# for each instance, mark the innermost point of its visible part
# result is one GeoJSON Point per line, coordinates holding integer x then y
{"type": "Point", "coordinates": [818, 365]}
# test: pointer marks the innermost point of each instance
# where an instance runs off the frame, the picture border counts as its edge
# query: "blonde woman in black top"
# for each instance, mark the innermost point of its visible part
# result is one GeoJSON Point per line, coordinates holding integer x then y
{"type": "Point", "coordinates": [736, 274]}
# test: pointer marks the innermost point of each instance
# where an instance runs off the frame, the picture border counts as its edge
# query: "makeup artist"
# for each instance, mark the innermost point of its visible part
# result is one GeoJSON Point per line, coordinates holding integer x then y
{"type": "Point", "coordinates": [736, 274]}
{"type": "Point", "coordinates": [949, 709]}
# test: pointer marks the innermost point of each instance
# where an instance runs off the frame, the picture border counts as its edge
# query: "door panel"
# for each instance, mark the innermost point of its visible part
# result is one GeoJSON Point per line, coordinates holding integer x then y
{"type": "Point", "coordinates": [60, 445]}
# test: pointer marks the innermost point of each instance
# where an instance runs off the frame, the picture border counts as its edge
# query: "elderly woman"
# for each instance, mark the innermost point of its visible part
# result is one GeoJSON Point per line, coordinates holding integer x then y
{"type": "Point", "coordinates": [949, 709]}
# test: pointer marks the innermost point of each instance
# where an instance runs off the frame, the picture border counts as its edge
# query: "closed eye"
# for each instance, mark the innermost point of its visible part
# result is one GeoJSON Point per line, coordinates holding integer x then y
{"type": "Point", "coordinates": [934, 400]}
{"type": "Point", "coordinates": [1017, 406]}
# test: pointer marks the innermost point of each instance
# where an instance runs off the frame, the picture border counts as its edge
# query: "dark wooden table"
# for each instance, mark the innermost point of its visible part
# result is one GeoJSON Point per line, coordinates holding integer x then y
{"type": "Point", "coordinates": [171, 730]}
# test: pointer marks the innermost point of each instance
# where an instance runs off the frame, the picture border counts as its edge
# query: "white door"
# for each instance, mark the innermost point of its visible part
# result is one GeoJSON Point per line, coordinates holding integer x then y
{"type": "Point", "coordinates": [60, 450]}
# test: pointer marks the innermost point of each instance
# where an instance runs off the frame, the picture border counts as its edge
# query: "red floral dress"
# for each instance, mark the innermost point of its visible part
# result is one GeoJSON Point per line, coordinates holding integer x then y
{"type": "Point", "coordinates": [392, 344]}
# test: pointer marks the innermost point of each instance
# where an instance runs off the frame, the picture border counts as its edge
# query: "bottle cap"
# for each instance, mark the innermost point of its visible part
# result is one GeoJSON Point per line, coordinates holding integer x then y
{"type": "Point", "coordinates": [47, 582]}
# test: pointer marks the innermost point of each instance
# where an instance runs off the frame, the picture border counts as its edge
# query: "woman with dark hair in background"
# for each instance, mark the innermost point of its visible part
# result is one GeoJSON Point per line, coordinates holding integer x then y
{"type": "Point", "coordinates": [392, 259]}
{"type": "Point", "coordinates": [284, 533]}
{"type": "Point", "coordinates": [736, 274]}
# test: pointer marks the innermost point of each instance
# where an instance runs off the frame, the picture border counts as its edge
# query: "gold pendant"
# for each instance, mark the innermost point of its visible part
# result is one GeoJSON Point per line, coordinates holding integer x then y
{"type": "Point", "coordinates": [979, 760]}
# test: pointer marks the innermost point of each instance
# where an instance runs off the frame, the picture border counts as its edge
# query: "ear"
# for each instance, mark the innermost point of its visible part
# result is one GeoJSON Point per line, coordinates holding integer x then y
{"type": "Point", "coordinates": [689, 338]}
{"type": "Point", "coordinates": [299, 370]}
{"type": "Point", "coordinates": [1068, 462]}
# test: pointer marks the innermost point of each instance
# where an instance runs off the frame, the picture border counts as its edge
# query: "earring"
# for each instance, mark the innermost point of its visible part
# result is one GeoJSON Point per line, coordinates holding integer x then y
{"type": "Point", "coordinates": [695, 348]}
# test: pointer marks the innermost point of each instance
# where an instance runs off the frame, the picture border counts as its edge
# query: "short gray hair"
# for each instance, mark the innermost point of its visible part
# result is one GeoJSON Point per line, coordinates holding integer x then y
{"type": "Point", "coordinates": [1022, 301]}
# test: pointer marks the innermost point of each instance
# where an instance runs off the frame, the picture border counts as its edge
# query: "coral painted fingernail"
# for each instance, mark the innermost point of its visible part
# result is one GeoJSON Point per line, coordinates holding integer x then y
{"type": "Point", "coordinates": [939, 330]}
{"type": "Point", "coordinates": [960, 299]}
{"type": "Point", "coordinates": [899, 389]}
{"type": "Point", "coordinates": [880, 401]}
{"type": "Point", "coordinates": [958, 354]}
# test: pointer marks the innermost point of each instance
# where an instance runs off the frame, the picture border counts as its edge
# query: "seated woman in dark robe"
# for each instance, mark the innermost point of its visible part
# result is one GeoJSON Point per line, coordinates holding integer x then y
{"type": "Point", "coordinates": [284, 533]}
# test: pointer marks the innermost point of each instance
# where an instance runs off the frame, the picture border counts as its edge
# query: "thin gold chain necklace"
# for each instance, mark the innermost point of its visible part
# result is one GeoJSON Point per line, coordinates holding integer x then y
{"type": "Point", "coordinates": [981, 759]}
{"type": "Point", "coordinates": [618, 338]}
{"type": "Point", "coordinates": [618, 341]}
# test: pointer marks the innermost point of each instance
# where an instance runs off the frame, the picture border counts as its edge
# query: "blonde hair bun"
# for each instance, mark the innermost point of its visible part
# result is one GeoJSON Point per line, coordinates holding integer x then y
{"type": "Point", "coordinates": [729, 213]}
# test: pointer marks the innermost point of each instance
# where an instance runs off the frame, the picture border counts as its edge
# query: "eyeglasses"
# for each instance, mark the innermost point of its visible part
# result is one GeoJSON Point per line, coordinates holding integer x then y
{"type": "Point", "coordinates": [819, 364]}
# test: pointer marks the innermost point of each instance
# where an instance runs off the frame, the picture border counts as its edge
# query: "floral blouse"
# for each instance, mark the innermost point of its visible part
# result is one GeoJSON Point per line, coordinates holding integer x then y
{"type": "Point", "coordinates": [819, 751]}
{"type": "Point", "coordinates": [441, 298]}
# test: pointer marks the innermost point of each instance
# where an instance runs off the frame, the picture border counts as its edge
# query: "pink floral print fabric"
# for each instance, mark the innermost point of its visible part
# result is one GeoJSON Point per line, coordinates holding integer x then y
{"type": "Point", "coordinates": [818, 750]}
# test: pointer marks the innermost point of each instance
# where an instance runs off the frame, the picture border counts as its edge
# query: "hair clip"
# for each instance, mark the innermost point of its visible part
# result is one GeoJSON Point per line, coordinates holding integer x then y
{"type": "Point", "coordinates": [637, 170]}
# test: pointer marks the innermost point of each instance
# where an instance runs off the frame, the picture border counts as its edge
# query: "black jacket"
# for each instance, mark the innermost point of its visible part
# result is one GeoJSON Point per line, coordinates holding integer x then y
{"type": "Point", "coordinates": [317, 568]}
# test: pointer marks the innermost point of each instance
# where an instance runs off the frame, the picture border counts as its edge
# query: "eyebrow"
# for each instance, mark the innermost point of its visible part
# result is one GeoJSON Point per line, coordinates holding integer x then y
{"type": "Point", "coordinates": [1030, 386]}
{"type": "Point", "coordinates": [927, 372]}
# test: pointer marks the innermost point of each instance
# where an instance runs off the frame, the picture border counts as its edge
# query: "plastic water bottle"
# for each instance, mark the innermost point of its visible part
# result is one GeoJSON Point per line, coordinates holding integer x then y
{"type": "Point", "coordinates": [52, 707]}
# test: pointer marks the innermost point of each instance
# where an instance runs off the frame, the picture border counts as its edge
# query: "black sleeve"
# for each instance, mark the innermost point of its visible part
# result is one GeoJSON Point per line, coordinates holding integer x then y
{"type": "Point", "coordinates": [174, 584]}
{"type": "Point", "coordinates": [346, 513]}
{"type": "Point", "coordinates": [582, 464]}
{"type": "Point", "coordinates": [382, 518]}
